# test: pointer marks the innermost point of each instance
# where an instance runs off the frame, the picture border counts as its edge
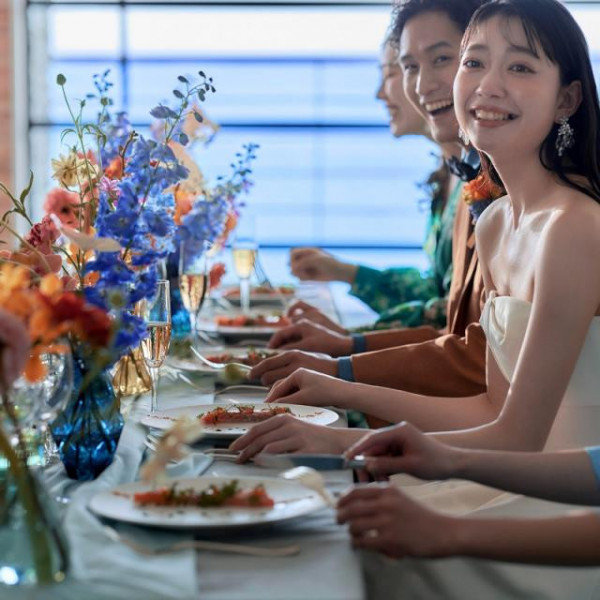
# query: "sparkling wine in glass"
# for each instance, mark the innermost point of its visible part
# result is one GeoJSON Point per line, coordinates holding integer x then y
{"type": "Point", "coordinates": [244, 256]}
{"type": "Point", "coordinates": [193, 279]}
{"type": "Point", "coordinates": [157, 314]}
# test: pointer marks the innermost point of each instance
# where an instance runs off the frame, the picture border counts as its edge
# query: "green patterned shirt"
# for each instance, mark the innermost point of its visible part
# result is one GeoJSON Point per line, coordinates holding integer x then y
{"type": "Point", "coordinates": [405, 297]}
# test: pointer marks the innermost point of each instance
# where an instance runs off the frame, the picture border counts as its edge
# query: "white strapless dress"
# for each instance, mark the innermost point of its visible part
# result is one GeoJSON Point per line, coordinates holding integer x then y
{"type": "Point", "coordinates": [577, 424]}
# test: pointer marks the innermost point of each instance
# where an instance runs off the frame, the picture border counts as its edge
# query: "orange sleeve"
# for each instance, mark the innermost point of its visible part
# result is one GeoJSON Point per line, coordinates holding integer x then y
{"type": "Point", "coordinates": [390, 338]}
{"type": "Point", "coordinates": [447, 365]}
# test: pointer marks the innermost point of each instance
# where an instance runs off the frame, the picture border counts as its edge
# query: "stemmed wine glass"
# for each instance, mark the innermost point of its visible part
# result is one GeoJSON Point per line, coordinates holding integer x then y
{"type": "Point", "coordinates": [40, 402]}
{"type": "Point", "coordinates": [193, 279]}
{"type": "Point", "coordinates": [157, 314]}
{"type": "Point", "coordinates": [244, 249]}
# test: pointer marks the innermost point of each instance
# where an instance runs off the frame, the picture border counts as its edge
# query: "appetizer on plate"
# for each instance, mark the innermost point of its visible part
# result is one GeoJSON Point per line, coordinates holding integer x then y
{"type": "Point", "coordinates": [251, 358]}
{"type": "Point", "coordinates": [252, 321]}
{"type": "Point", "coordinates": [241, 413]}
{"type": "Point", "coordinates": [262, 290]}
{"type": "Point", "coordinates": [228, 494]}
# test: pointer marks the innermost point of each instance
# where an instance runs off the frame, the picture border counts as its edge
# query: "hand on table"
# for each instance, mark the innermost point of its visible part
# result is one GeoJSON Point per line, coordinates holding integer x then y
{"type": "Point", "coordinates": [315, 264]}
{"type": "Point", "coordinates": [403, 448]}
{"type": "Point", "coordinates": [300, 310]}
{"type": "Point", "coordinates": [285, 433]}
{"type": "Point", "coordinates": [312, 337]}
{"type": "Point", "coordinates": [272, 369]}
{"type": "Point", "coordinates": [380, 517]}
{"type": "Point", "coordinates": [311, 388]}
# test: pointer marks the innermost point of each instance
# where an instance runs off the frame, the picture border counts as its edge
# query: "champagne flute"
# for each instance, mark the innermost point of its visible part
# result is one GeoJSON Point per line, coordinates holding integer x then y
{"type": "Point", "coordinates": [157, 314]}
{"type": "Point", "coordinates": [244, 249]}
{"type": "Point", "coordinates": [193, 279]}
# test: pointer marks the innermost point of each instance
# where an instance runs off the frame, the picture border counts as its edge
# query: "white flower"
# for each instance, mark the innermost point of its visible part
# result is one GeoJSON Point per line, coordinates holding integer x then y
{"type": "Point", "coordinates": [172, 446]}
{"type": "Point", "coordinates": [65, 169]}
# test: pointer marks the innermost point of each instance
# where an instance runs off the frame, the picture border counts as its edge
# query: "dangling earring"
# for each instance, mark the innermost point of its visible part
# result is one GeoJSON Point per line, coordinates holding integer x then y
{"type": "Point", "coordinates": [464, 138]}
{"type": "Point", "coordinates": [566, 136]}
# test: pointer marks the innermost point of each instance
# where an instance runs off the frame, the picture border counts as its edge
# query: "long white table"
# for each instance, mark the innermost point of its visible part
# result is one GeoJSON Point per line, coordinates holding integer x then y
{"type": "Point", "coordinates": [326, 568]}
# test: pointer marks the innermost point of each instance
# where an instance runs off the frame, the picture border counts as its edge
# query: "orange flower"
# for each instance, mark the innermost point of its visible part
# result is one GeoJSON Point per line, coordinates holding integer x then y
{"type": "Point", "coordinates": [184, 201]}
{"type": "Point", "coordinates": [115, 168]}
{"type": "Point", "coordinates": [480, 188]}
{"type": "Point", "coordinates": [216, 274]}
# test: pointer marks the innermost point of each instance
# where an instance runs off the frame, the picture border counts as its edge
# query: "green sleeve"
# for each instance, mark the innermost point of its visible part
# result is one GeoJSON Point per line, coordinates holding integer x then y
{"type": "Point", "coordinates": [382, 290]}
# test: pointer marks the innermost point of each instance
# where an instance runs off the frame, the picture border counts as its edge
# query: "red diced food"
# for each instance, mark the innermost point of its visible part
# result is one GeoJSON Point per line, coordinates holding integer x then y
{"type": "Point", "coordinates": [241, 413]}
{"type": "Point", "coordinates": [228, 494]}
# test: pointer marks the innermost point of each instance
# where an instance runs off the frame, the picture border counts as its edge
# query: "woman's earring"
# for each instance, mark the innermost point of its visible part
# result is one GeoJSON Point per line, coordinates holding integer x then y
{"type": "Point", "coordinates": [464, 138]}
{"type": "Point", "coordinates": [566, 136]}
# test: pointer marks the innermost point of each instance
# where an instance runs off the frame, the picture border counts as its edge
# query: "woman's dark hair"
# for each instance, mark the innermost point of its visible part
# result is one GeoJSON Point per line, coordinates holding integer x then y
{"type": "Point", "coordinates": [549, 26]}
{"type": "Point", "coordinates": [458, 11]}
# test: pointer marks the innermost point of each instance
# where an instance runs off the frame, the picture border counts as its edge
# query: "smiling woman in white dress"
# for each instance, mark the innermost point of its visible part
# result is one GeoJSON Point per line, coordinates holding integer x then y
{"type": "Point", "coordinates": [524, 83]}
{"type": "Point", "coordinates": [525, 96]}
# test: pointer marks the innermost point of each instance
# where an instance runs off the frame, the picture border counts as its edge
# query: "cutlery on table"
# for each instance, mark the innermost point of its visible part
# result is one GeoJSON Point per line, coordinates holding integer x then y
{"type": "Point", "coordinates": [242, 388]}
{"type": "Point", "coordinates": [311, 479]}
{"type": "Point", "coordinates": [319, 462]}
{"type": "Point", "coordinates": [152, 440]}
{"type": "Point", "coordinates": [220, 366]}
{"type": "Point", "coordinates": [200, 545]}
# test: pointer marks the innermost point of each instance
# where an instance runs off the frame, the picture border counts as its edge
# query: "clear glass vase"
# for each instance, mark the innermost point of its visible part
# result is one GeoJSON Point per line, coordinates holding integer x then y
{"type": "Point", "coordinates": [33, 550]}
{"type": "Point", "coordinates": [88, 430]}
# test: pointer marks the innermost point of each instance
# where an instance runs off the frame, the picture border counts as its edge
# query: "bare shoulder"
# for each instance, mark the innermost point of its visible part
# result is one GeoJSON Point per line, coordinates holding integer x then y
{"type": "Point", "coordinates": [575, 220]}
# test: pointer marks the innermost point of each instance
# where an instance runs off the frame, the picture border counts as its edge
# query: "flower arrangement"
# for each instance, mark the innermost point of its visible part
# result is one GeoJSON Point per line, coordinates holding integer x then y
{"type": "Point", "coordinates": [479, 193]}
{"type": "Point", "coordinates": [78, 273]}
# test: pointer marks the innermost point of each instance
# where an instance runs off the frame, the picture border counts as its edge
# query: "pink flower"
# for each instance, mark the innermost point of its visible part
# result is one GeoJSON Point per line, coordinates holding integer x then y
{"type": "Point", "coordinates": [42, 235]}
{"type": "Point", "coordinates": [110, 187]}
{"type": "Point", "coordinates": [14, 348]}
{"type": "Point", "coordinates": [64, 205]}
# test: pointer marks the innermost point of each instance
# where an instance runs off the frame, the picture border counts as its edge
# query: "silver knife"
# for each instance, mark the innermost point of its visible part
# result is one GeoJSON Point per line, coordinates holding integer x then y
{"type": "Point", "coordinates": [319, 462]}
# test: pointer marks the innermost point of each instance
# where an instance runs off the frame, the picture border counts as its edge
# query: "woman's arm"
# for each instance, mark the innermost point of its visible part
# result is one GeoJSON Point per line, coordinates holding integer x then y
{"type": "Point", "coordinates": [427, 413]}
{"type": "Point", "coordinates": [384, 519]}
{"type": "Point", "coordinates": [566, 540]}
{"type": "Point", "coordinates": [567, 476]}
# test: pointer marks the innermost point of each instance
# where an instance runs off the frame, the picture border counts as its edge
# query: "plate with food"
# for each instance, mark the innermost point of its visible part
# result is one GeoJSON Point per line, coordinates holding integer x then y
{"type": "Point", "coordinates": [235, 418]}
{"type": "Point", "coordinates": [250, 325]}
{"type": "Point", "coordinates": [262, 294]}
{"type": "Point", "coordinates": [246, 356]}
{"type": "Point", "coordinates": [210, 503]}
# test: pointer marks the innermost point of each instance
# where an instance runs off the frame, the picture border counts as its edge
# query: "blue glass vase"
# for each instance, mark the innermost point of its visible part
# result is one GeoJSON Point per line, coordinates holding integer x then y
{"type": "Point", "coordinates": [88, 430]}
{"type": "Point", "coordinates": [180, 318]}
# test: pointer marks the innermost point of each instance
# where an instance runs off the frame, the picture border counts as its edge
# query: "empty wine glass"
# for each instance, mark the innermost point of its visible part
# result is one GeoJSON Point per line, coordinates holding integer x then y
{"type": "Point", "coordinates": [244, 248]}
{"type": "Point", "coordinates": [157, 314]}
{"type": "Point", "coordinates": [37, 403]}
{"type": "Point", "coordinates": [59, 381]}
{"type": "Point", "coordinates": [193, 279]}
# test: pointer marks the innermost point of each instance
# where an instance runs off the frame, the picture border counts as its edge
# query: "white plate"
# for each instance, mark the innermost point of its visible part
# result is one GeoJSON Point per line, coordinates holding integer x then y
{"type": "Point", "coordinates": [163, 419]}
{"type": "Point", "coordinates": [291, 501]}
{"type": "Point", "coordinates": [193, 364]}
{"type": "Point", "coordinates": [248, 331]}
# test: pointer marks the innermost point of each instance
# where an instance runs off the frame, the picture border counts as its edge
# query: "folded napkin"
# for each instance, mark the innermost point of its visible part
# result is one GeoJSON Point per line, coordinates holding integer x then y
{"type": "Point", "coordinates": [109, 569]}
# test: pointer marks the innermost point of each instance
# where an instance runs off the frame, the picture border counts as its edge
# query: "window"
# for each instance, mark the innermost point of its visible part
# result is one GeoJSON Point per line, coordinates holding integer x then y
{"type": "Point", "coordinates": [297, 79]}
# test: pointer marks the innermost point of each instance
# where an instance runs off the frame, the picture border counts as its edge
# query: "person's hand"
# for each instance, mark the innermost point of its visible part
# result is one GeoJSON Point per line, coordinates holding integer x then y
{"type": "Point", "coordinates": [315, 264]}
{"type": "Point", "coordinates": [311, 388]}
{"type": "Point", "coordinates": [272, 369]}
{"type": "Point", "coordinates": [312, 337]}
{"type": "Point", "coordinates": [404, 449]}
{"type": "Point", "coordinates": [381, 518]}
{"type": "Point", "coordinates": [285, 433]}
{"type": "Point", "coordinates": [303, 310]}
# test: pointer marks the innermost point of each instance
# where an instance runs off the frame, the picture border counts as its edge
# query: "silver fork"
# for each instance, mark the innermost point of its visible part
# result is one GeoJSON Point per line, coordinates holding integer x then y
{"type": "Point", "coordinates": [220, 366]}
{"type": "Point", "coordinates": [263, 280]}
{"type": "Point", "coordinates": [200, 545]}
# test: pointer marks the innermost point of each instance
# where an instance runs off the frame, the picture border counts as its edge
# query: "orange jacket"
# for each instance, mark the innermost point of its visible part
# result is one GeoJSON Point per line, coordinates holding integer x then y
{"type": "Point", "coordinates": [424, 360]}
